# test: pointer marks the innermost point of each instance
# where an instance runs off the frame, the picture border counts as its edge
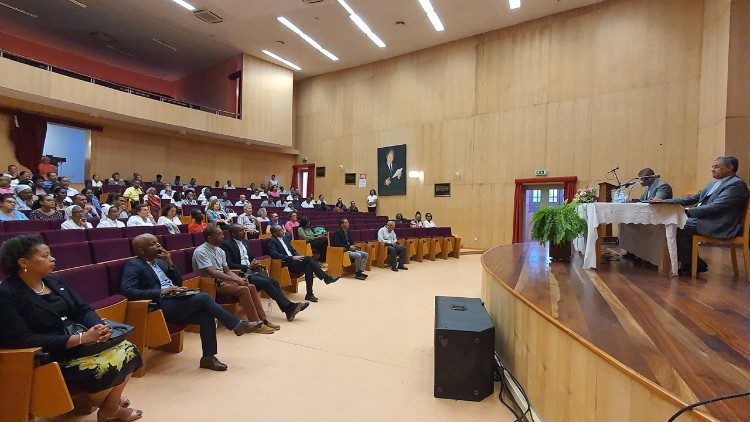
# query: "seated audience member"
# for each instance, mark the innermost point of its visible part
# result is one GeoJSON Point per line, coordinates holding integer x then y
{"type": "Point", "coordinates": [152, 276]}
{"type": "Point", "coordinates": [343, 238]}
{"type": "Point", "coordinates": [291, 225]}
{"type": "Point", "coordinates": [110, 219]}
{"type": "Point", "coordinates": [5, 186]}
{"type": "Point", "coordinates": [718, 211]}
{"type": "Point", "coordinates": [64, 181]}
{"type": "Point", "coordinates": [215, 215]}
{"type": "Point", "coordinates": [75, 219]}
{"type": "Point", "coordinates": [24, 178]}
{"type": "Point", "coordinates": [47, 210]}
{"type": "Point", "coordinates": [249, 222]}
{"type": "Point", "coordinates": [257, 195]}
{"type": "Point", "coordinates": [133, 193]}
{"type": "Point", "coordinates": [88, 210]}
{"type": "Point", "coordinates": [655, 187]}
{"type": "Point", "coordinates": [205, 196]}
{"type": "Point", "coordinates": [275, 221]}
{"type": "Point", "coordinates": [229, 185]}
{"type": "Point", "coordinates": [37, 186]}
{"type": "Point", "coordinates": [226, 204]}
{"type": "Point", "coordinates": [136, 178]}
{"type": "Point", "coordinates": [280, 248]}
{"type": "Point", "coordinates": [46, 166]}
{"type": "Point", "coordinates": [288, 207]}
{"type": "Point", "coordinates": [197, 225]}
{"type": "Point", "coordinates": [340, 205]}
{"type": "Point", "coordinates": [24, 197]}
{"type": "Point", "coordinates": [96, 184]}
{"type": "Point", "coordinates": [217, 184]}
{"type": "Point", "coordinates": [153, 201]}
{"type": "Point", "coordinates": [323, 205]}
{"type": "Point", "coordinates": [209, 260]}
{"type": "Point", "coordinates": [308, 203]}
{"type": "Point", "coordinates": [116, 180]}
{"type": "Point", "coordinates": [417, 221]}
{"type": "Point", "coordinates": [242, 201]}
{"type": "Point", "coordinates": [12, 173]}
{"type": "Point", "coordinates": [272, 181]}
{"type": "Point", "coordinates": [372, 201]}
{"type": "Point", "coordinates": [60, 196]}
{"type": "Point", "coordinates": [239, 258]}
{"type": "Point", "coordinates": [267, 203]}
{"type": "Point", "coordinates": [92, 199]}
{"type": "Point", "coordinates": [353, 207]}
{"type": "Point", "coordinates": [400, 219]}
{"type": "Point", "coordinates": [32, 304]}
{"type": "Point", "coordinates": [396, 252]}
{"type": "Point", "coordinates": [263, 215]}
{"type": "Point", "coordinates": [141, 217]}
{"type": "Point", "coordinates": [318, 243]}
{"type": "Point", "coordinates": [177, 182]}
{"type": "Point", "coordinates": [274, 193]}
{"type": "Point", "coordinates": [158, 180]}
{"type": "Point", "coordinates": [51, 181]}
{"type": "Point", "coordinates": [170, 219]}
{"type": "Point", "coordinates": [167, 192]}
{"type": "Point", "coordinates": [8, 211]}
{"type": "Point", "coordinates": [115, 200]}
{"type": "Point", "coordinates": [428, 223]}
{"type": "Point", "coordinates": [193, 184]}
{"type": "Point", "coordinates": [189, 199]}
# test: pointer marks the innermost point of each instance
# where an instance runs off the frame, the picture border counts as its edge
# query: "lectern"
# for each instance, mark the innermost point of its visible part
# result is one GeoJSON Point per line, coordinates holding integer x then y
{"type": "Point", "coordinates": [605, 195]}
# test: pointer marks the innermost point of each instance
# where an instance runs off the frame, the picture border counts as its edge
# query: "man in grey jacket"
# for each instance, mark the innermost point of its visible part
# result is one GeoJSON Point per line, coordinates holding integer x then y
{"type": "Point", "coordinates": [718, 210]}
{"type": "Point", "coordinates": [654, 186]}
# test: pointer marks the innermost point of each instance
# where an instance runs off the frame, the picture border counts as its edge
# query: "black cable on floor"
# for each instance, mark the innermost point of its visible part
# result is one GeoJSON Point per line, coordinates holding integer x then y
{"type": "Point", "coordinates": [500, 376]}
{"type": "Point", "coordinates": [702, 402]}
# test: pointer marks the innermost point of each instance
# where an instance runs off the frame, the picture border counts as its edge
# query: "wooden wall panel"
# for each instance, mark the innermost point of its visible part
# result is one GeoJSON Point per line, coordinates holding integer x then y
{"type": "Point", "coordinates": [613, 84]}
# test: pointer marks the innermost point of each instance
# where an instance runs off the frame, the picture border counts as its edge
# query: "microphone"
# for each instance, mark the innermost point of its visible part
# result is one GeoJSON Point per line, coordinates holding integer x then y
{"type": "Point", "coordinates": [614, 170]}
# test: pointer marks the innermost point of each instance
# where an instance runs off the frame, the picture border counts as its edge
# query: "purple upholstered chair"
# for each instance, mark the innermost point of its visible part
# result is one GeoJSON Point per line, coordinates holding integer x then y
{"type": "Point", "coordinates": [114, 274]}
{"type": "Point", "coordinates": [198, 239]}
{"type": "Point", "coordinates": [70, 255]}
{"type": "Point", "coordinates": [161, 231]}
{"type": "Point", "coordinates": [90, 282]}
{"type": "Point", "coordinates": [26, 226]}
{"type": "Point", "coordinates": [178, 241]}
{"type": "Point", "coordinates": [134, 231]}
{"type": "Point", "coordinates": [104, 233]}
{"type": "Point", "coordinates": [110, 250]}
{"type": "Point", "coordinates": [54, 237]}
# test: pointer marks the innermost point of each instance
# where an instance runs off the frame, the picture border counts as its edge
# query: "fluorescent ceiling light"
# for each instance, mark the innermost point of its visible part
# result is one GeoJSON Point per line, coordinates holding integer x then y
{"type": "Point", "coordinates": [514, 4]}
{"type": "Point", "coordinates": [185, 4]}
{"type": "Point", "coordinates": [160, 42]}
{"type": "Point", "coordinates": [434, 18]}
{"type": "Point", "coordinates": [362, 25]}
{"type": "Point", "coordinates": [282, 60]}
{"type": "Point", "coordinates": [78, 3]}
{"type": "Point", "coordinates": [18, 10]}
{"type": "Point", "coordinates": [305, 37]}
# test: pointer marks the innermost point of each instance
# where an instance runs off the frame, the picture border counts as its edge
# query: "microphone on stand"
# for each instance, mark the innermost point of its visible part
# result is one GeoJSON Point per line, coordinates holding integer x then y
{"type": "Point", "coordinates": [635, 180]}
{"type": "Point", "coordinates": [613, 170]}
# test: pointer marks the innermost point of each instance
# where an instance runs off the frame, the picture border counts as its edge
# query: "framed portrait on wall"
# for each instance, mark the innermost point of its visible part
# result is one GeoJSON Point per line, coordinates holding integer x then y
{"type": "Point", "coordinates": [392, 170]}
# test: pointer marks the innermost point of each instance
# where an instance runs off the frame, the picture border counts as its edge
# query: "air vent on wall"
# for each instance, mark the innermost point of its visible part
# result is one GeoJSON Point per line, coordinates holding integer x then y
{"type": "Point", "coordinates": [207, 16]}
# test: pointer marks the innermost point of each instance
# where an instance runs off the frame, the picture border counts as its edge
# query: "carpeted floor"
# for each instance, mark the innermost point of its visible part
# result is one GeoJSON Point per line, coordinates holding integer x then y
{"type": "Point", "coordinates": [364, 352]}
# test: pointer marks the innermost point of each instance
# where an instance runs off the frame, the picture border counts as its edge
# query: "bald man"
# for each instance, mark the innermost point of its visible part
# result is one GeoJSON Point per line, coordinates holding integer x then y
{"type": "Point", "coordinates": [152, 276]}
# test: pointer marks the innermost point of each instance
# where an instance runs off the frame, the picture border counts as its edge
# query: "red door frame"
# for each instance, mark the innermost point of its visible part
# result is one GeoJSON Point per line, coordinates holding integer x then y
{"type": "Point", "coordinates": [296, 169]}
{"type": "Point", "coordinates": [569, 183]}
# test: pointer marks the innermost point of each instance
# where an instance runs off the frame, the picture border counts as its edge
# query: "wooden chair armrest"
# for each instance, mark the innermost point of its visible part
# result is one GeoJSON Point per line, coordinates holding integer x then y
{"type": "Point", "coordinates": [208, 286]}
{"type": "Point", "coordinates": [49, 393]}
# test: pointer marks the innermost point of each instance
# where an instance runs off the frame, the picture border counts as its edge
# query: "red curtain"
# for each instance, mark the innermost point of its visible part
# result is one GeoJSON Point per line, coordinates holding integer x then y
{"type": "Point", "coordinates": [569, 184]}
{"type": "Point", "coordinates": [27, 132]}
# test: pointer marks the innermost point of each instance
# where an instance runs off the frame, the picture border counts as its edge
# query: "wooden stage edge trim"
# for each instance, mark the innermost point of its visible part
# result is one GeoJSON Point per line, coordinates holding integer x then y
{"type": "Point", "coordinates": [667, 397]}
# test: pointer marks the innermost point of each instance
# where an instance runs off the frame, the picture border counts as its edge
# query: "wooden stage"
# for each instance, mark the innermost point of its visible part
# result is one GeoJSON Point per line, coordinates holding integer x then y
{"type": "Point", "coordinates": [567, 332]}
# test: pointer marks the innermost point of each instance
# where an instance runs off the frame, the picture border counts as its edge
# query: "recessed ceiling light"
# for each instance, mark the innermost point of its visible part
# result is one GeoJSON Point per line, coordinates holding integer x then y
{"type": "Point", "coordinates": [306, 37]}
{"type": "Point", "coordinates": [185, 4]}
{"type": "Point", "coordinates": [434, 18]}
{"type": "Point", "coordinates": [18, 10]}
{"type": "Point", "coordinates": [282, 60]}
{"type": "Point", "coordinates": [514, 4]}
{"type": "Point", "coordinates": [78, 3]}
{"type": "Point", "coordinates": [362, 25]}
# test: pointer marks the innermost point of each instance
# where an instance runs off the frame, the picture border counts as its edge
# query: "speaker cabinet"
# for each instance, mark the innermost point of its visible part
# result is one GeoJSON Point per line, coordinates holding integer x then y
{"type": "Point", "coordinates": [464, 349]}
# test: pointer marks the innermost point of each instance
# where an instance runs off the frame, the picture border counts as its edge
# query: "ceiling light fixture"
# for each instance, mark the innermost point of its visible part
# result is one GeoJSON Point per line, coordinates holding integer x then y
{"type": "Point", "coordinates": [362, 25]}
{"type": "Point", "coordinates": [282, 60]}
{"type": "Point", "coordinates": [162, 43]}
{"type": "Point", "coordinates": [113, 48]}
{"type": "Point", "coordinates": [434, 18]}
{"type": "Point", "coordinates": [306, 37]}
{"type": "Point", "coordinates": [78, 3]}
{"type": "Point", "coordinates": [185, 4]}
{"type": "Point", "coordinates": [18, 10]}
{"type": "Point", "coordinates": [514, 4]}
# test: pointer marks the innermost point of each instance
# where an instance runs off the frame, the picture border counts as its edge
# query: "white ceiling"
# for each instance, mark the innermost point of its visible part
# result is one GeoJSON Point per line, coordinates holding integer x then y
{"type": "Point", "coordinates": [250, 26]}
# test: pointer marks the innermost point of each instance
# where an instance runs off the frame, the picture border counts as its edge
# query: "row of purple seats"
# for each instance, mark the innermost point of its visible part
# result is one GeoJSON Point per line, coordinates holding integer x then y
{"type": "Point", "coordinates": [53, 237]}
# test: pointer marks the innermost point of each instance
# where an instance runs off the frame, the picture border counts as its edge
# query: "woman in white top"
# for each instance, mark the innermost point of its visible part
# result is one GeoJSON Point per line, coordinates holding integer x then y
{"type": "Point", "coordinates": [110, 219]}
{"type": "Point", "coordinates": [428, 223]}
{"type": "Point", "coordinates": [263, 215]}
{"type": "Point", "coordinates": [75, 220]}
{"type": "Point", "coordinates": [372, 201]}
{"type": "Point", "coordinates": [170, 219]}
{"type": "Point", "coordinates": [142, 218]}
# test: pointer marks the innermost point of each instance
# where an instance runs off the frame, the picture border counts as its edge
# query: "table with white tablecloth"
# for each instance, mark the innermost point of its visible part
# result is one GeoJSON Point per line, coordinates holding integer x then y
{"type": "Point", "coordinates": [646, 228]}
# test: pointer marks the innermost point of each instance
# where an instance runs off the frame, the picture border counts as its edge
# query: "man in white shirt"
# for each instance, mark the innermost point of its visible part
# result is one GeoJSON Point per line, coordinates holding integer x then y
{"type": "Point", "coordinates": [65, 182]}
{"type": "Point", "coordinates": [242, 202]}
{"type": "Point", "coordinates": [308, 203]}
{"type": "Point", "coordinates": [272, 181]}
{"type": "Point", "coordinates": [387, 236]}
{"type": "Point", "coordinates": [249, 222]}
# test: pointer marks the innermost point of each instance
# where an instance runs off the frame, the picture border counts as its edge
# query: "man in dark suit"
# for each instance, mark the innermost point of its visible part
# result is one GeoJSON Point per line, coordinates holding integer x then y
{"type": "Point", "coordinates": [240, 258]}
{"type": "Point", "coordinates": [343, 238]}
{"type": "Point", "coordinates": [151, 276]}
{"type": "Point", "coordinates": [280, 248]}
{"type": "Point", "coordinates": [718, 210]}
{"type": "Point", "coordinates": [655, 186]}
{"type": "Point", "coordinates": [391, 177]}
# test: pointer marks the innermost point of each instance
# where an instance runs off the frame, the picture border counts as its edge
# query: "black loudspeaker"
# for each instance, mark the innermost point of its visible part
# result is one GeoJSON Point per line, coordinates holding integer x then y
{"type": "Point", "coordinates": [464, 349]}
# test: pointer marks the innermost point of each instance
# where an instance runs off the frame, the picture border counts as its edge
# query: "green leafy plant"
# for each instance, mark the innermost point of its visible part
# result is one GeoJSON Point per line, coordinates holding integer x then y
{"type": "Point", "coordinates": [557, 225]}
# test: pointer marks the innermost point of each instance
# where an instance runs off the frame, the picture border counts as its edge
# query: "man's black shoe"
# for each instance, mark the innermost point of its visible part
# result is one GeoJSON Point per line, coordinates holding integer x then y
{"type": "Point", "coordinates": [360, 276]}
{"type": "Point", "coordinates": [331, 280]}
{"type": "Point", "coordinates": [684, 272]}
{"type": "Point", "coordinates": [402, 267]}
{"type": "Point", "coordinates": [210, 362]}
{"type": "Point", "coordinates": [394, 269]}
{"type": "Point", "coordinates": [295, 309]}
{"type": "Point", "coordinates": [311, 297]}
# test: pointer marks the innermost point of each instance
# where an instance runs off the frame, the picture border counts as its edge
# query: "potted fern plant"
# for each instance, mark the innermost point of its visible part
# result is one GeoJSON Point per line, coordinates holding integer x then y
{"type": "Point", "coordinates": [557, 226]}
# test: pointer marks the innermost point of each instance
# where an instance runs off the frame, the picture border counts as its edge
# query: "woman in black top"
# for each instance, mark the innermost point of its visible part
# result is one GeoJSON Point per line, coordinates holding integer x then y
{"type": "Point", "coordinates": [33, 308]}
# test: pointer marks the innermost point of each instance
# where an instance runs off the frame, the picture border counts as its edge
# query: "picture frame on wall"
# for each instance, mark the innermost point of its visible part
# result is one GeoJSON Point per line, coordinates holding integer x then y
{"type": "Point", "coordinates": [350, 178]}
{"type": "Point", "coordinates": [320, 172]}
{"type": "Point", "coordinates": [392, 170]}
{"type": "Point", "coordinates": [442, 189]}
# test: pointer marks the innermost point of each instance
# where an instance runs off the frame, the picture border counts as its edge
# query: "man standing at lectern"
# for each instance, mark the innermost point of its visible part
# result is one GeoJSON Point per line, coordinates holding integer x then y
{"type": "Point", "coordinates": [655, 187]}
{"type": "Point", "coordinates": [718, 210]}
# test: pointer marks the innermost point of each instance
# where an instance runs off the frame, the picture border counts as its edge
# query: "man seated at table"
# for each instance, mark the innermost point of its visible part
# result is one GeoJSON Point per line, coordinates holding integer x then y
{"type": "Point", "coordinates": [718, 211]}
{"type": "Point", "coordinates": [655, 186]}
{"type": "Point", "coordinates": [239, 258]}
{"type": "Point", "coordinates": [152, 276]}
{"type": "Point", "coordinates": [279, 247]}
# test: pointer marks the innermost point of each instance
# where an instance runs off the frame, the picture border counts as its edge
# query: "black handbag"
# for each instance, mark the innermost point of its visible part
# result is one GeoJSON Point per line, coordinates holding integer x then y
{"type": "Point", "coordinates": [119, 334]}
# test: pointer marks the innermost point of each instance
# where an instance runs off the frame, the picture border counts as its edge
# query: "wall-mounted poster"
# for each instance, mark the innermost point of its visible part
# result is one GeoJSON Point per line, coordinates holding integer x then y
{"type": "Point", "coordinates": [392, 170]}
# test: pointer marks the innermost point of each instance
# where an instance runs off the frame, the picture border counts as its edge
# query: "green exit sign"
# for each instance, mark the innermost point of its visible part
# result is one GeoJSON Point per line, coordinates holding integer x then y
{"type": "Point", "coordinates": [541, 172]}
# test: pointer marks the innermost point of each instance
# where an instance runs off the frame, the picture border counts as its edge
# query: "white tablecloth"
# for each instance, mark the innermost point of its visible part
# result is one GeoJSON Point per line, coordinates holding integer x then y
{"type": "Point", "coordinates": [671, 216]}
